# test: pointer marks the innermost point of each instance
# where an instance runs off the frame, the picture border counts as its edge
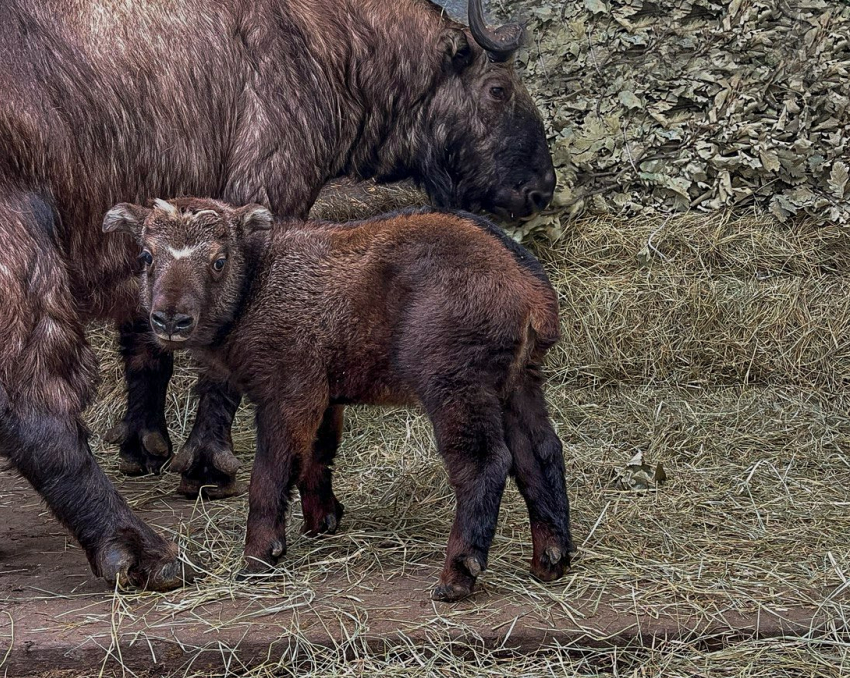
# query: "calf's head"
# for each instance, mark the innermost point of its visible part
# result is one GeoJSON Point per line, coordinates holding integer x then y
{"type": "Point", "coordinates": [192, 263]}
{"type": "Point", "coordinates": [484, 145]}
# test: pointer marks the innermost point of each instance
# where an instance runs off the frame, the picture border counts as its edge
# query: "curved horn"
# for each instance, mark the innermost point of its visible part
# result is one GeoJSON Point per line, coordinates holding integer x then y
{"type": "Point", "coordinates": [500, 42]}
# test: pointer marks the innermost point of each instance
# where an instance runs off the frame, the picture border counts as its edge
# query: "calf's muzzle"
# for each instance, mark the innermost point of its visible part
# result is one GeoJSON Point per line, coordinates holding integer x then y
{"type": "Point", "coordinates": [172, 325]}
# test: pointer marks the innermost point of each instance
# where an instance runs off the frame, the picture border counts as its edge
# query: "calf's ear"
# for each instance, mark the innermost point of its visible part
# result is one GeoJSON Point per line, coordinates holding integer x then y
{"type": "Point", "coordinates": [255, 218]}
{"type": "Point", "coordinates": [125, 218]}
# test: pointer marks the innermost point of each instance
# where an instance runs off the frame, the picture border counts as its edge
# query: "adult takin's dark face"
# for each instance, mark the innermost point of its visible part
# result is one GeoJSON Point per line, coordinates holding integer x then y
{"type": "Point", "coordinates": [488, 147]}
{"type": "Point", "coordinates": [192, 268]}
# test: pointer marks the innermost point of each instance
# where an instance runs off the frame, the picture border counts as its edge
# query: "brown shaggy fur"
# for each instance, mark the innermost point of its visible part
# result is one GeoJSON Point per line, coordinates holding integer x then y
{"type": "Point", "coordinates": [421, 307]}
{"type": "Point", "coordinates": [261, 100]}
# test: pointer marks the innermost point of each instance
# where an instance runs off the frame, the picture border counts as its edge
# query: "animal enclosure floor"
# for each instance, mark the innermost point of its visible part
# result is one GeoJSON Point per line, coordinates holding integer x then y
{"type": "Point", "coordinates": [57, 616]}
{"type": "Point", "coordinates": [727, 361]}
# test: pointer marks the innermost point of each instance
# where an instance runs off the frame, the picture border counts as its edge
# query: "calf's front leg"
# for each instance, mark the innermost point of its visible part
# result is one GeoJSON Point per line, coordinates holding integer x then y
{"type": "Point", "coordinates": [284, 440]}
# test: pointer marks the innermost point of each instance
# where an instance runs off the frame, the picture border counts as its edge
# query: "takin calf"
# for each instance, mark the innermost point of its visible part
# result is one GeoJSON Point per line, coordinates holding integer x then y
{"type": "Point", "coordinates": [419, 306]}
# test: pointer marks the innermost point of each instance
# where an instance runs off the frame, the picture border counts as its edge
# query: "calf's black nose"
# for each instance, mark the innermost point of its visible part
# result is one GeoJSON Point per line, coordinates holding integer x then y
{"type": "Point", "coordinates": [171, 323]}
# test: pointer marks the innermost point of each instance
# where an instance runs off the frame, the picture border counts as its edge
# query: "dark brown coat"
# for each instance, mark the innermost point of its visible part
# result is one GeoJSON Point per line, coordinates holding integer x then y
{"type": "Point", "coordinates": [420, 307]}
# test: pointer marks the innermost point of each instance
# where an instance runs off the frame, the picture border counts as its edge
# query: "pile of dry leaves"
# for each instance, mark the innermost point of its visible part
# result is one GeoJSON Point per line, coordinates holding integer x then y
{"type": "Point", "coordinates": [665, 106]}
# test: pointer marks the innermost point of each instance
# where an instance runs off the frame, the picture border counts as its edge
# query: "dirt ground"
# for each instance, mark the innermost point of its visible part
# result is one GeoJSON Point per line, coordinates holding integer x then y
{"type": "Point", "coordinates": [57, 616]}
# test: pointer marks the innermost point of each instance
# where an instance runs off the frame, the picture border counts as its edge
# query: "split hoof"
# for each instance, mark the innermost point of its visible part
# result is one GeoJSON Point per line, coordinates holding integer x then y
{"type": "Point", "coordinates": [451, 592]}
{"type": "Point", "coordinates": [326, 522]}
{"type": "Point", "coordinates": [207, 471]}
{"type": "Point", "coordinates": [141, 449]}
{"type": "Point", "coordinates": [132, 561]}
{"type": "Point", "coordinates": [551, 565]}
{"type": "Point", "coordinates": [255, 567]}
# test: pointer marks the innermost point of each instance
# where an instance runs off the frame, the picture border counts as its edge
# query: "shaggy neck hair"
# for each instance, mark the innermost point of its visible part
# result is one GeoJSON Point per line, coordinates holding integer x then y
{"type": "Point", "coordinates": [396, 63]}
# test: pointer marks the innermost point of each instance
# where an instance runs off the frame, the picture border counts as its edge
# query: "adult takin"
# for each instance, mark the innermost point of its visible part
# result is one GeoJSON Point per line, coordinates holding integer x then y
{"type": "Point", "coordinates": [436, 308]}
{"type": "Point", "coordinates": [246, 100]}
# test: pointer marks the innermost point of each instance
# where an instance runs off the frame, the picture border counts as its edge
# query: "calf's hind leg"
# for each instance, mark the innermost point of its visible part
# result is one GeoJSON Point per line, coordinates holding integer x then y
{"type": "Point", "coordinates": [46, 370]}
{"type": "Point", "coordinates": [470, 438]}
{"type": "Point", "coordinates": [538, 468]}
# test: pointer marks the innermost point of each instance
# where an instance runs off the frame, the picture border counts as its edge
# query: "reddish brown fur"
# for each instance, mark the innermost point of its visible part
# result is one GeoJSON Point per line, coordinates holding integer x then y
{"type": "Point", "coordinates": [259, 100]}
{"type": "Point", "coordinates": [421, 307]}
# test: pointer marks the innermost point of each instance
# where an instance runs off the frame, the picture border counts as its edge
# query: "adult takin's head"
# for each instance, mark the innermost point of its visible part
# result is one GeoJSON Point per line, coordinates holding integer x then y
{"type": "Point", "coordinates": [192, 262]}
{"type": "Point", "coordinates": [485, 145]}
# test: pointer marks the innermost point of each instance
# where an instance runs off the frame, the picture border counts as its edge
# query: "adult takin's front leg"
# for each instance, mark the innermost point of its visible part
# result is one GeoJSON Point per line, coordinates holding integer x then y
{"type": "Point", "coordinates": [46, 371]}
{"type": "Point", "coordinates": [322, 511]}
{"type": "Point", "coordinates": [469, 433]}
{"type": "Point", "coordinates": [285, 436]}
{"type": "Point", "coordinates": [142, 434]}
{"type": "Point", "coordinates": [538, 468]}
{"type": "Point", "coordinates": [206, 461]}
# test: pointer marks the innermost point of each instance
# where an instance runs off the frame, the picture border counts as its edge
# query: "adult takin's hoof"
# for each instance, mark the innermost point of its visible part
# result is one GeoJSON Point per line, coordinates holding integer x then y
{"type": "Point", "coordinates": [141, 449]}
{"type": "Point", "coordinates": [134, 561]}
{"type": "Point", "coordinates": [320, 520]}
{"type": "Point", "coordinates": [208, 471]}
{"type": "Point", "coordinates": [551, 564]}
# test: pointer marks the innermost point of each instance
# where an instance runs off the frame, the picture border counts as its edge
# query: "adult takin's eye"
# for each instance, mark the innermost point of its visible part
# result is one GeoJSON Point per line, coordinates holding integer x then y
{"type": "Point", "coordinates": [218, 264]}
{"type": "Point", "coordinates": [146, 257]}
{"type": "Point", "coordinates": [498, 93]}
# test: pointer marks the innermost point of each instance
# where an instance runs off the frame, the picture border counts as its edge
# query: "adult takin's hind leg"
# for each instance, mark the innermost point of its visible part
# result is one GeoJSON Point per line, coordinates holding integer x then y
{"type": "Point", "coordinates": [206, 461]}
{"type": "Point", "coordinates": [322, 511]}
{"type": "Point", "coordinates": [46, 370]}
{"type": "Point", "coordinates": [538, 468]}
{"type": "Point", "coordinates": [468, 428]}
{"type": "Point", "coordinates": [142, 434]}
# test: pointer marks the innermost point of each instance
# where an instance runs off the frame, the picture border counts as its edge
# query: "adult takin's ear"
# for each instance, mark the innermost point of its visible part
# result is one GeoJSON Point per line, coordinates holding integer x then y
{"type": "Point", "coordinates": [255, 218]}
{"type": "Point", "coordinates": [125, 218]}
{"type": "Point", "coordinates": [457, 53]}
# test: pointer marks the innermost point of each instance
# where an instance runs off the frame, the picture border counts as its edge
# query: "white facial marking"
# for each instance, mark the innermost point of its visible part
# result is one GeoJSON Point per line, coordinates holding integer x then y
{"type": "Point", "coordinates": [182, 253]}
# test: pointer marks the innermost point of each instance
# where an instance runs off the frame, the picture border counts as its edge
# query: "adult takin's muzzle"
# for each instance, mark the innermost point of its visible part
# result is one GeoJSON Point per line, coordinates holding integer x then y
{"type": "Point", "coordinates": [526, 198]}
{"type": "Point", "coordinates": [538, 192]}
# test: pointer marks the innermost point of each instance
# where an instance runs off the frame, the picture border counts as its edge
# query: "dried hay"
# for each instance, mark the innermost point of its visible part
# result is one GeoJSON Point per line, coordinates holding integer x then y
{"type": "Point", "coordinates": [703, 301]}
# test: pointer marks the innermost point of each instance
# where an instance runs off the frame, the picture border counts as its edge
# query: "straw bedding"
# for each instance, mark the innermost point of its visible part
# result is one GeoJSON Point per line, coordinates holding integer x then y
{"type": "Point", "coordinates": [719, 347]}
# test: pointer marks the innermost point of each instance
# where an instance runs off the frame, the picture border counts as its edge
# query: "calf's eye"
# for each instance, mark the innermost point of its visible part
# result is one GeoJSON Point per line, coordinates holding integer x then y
{"type": "Point", "coordinates": [497, 93]}
{"type": "Point", "coordinates": [146, 258]}
{"type": "Point", "coordinates": [218, 265]}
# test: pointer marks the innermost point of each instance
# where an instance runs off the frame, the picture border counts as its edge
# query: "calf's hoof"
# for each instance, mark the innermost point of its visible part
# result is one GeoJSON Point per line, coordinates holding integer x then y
{"type": "Point", "coordinates": [551, 564]}
{"type": "Point", "coordinates": [322, 520]}
{"type": "Point", "coordinates": [133, 560]}
{"type": "Point", "coordinates": [459, 583]}
{"type": "Point", "coordinates": [452, 592]}
{"type": "Point", "coordinates": [142, 449]}
{"type": "Point", "coordinates": [257, 565]}
{"type": "Point", "coordinates": [208, 471]}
